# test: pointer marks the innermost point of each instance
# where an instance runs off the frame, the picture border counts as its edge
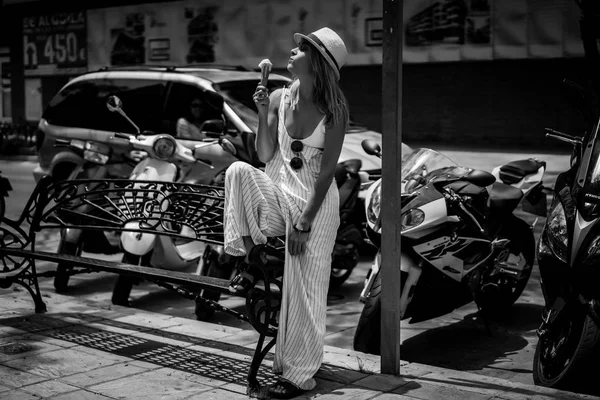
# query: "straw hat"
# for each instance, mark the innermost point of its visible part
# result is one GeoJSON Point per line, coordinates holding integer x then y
{"type": "Point", "coordinates": [329, 44]}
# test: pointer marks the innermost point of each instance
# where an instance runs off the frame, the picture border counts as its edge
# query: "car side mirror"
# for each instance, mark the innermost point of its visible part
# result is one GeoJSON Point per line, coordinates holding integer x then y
{"type": "Point", "coordinates": [213, 127]}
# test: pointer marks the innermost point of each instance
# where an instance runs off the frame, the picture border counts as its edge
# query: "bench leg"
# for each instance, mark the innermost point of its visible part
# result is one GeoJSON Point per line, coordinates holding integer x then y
{"type": "Point", "coordinates": [28, 279]}
{"type": "Point", "coordinates": [253, 389]}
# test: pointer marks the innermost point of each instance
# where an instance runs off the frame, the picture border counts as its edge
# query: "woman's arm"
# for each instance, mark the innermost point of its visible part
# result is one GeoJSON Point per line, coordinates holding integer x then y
{"type": "Point", "coordinates": [334, 140]}
{"type": "Point", "coordinates": [266, 137]}
{"type": "Point", "coordinates": [183, 129]}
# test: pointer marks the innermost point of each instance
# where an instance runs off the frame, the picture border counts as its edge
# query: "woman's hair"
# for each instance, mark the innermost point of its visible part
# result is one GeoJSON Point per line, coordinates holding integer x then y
{"type": "Point", "coordinates": [328, 95]}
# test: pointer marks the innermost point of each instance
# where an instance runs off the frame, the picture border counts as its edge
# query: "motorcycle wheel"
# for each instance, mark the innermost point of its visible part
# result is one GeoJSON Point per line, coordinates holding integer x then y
{"type": "Point", "coordinates": [61, 279]}
{"type": "Point", "coordinates": [565, 360]}
{"type": "Point", "coordinates": [367, 337]}
{"type": "Point", "coordinates": [124, 283]}
{"type": "Point", "coordinates": [340, 275]}
{"type": "Point", "coordinates": [213, 269]}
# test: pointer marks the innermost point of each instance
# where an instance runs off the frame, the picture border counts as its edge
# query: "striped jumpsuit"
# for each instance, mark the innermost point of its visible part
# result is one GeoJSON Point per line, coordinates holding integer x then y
{"type": "Point", "coordinates": [265, 204]}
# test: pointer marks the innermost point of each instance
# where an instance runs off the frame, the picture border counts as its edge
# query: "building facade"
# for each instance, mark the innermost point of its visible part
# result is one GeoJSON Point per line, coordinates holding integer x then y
{"type": "Point", "coordinates": [475, 72]}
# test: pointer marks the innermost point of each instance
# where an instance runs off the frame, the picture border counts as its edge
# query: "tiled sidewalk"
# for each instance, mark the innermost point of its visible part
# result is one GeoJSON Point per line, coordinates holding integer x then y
{"type": "Point", "coordinates": [97, 351]}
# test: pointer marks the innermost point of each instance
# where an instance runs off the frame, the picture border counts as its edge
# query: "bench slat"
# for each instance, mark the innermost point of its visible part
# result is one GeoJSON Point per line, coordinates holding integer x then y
{"type": "Point", "coordinates": [174, 277]}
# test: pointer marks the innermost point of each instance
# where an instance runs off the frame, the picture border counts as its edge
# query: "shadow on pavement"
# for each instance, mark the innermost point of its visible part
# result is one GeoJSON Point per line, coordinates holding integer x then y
{"type": "Point", "coordinates": [467, 345]}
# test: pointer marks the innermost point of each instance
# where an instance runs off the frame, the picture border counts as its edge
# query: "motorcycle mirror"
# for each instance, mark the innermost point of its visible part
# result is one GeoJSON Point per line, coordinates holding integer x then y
{"type": "Point", "coordinates": [371, 147]}
{"type": "Point", "coordinates": [228, 146]}
{"type": "Point", "coordinates": [114, 104]}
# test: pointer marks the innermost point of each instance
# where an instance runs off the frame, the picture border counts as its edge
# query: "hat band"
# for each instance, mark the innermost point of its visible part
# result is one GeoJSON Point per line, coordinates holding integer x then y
{"type": "Point", "coordinates": [318, 41]}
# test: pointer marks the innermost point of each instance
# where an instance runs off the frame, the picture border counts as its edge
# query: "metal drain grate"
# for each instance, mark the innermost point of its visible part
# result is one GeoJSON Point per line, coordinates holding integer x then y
{"type": "Point", "coordinates": [197, 362]}
{"type": "Point", "coordinates": [15, 348]}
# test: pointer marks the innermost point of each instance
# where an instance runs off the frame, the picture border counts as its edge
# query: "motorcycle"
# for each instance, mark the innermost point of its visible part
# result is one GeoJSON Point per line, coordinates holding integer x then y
{"type": "Point", "coordinates": [460, 238]}
{"type": "Point", "coordinates": [568, 257]}
{"type": "Point", "coordinates": [348, 240]}
{"type": "Point", "coordinates": [168, 160]}
{"type": "Point", "coordinates": [569, 335]}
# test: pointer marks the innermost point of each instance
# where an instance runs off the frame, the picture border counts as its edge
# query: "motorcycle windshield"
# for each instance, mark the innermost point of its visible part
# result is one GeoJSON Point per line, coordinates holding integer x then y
{"type": "Point", "coordinates": [423, 165]}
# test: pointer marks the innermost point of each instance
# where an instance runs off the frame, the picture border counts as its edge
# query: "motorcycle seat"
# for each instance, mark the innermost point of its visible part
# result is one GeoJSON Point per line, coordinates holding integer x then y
{"type": "Point", "coordinates": [515, 171]}
{"type": "Point", "coordinates": [504, 198]}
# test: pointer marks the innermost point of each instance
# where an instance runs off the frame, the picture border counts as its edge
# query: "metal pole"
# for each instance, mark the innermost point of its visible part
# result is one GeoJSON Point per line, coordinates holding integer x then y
{"type": "Point", "coordinates": [391, 170]}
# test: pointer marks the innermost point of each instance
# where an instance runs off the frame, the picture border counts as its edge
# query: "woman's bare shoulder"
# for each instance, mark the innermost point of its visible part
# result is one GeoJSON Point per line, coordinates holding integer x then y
{"type": "Point", "coordinates": [275, 98]}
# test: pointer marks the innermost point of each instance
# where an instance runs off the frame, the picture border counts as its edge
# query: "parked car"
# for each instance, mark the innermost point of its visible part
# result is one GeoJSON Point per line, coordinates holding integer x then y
{"type": "Point", "coordinates": [156, 97]}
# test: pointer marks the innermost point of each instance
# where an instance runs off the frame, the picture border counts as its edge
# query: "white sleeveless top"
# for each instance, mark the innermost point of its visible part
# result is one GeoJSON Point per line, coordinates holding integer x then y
{"type": "Point", "coordinates": [317, 138]}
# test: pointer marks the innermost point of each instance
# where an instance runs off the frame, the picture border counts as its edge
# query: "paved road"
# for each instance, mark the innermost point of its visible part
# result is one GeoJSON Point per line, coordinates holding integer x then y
{"type": "Point", "coordinates": [458, 340]}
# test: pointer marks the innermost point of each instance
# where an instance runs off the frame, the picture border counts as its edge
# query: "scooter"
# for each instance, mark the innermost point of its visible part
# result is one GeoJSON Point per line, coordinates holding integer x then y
{"type": "Point", "coordinates": [168, 160]}
{"type": "Point", "coordinates": [461, 241]}
{"type": "Point", "coordinates": [98, 163]}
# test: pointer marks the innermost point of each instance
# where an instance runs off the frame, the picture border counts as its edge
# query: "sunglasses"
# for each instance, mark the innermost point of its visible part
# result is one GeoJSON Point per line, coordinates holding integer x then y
{"type": "Point", "coordinates": [297, 147]}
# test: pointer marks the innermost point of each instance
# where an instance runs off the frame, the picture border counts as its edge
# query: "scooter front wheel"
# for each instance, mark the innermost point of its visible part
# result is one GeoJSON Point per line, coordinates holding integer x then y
{"type": "Point", "coordinates": [63, 271]}
{"type": "Point", "coordinates": [124, 283]}
{"type": "Point", "coordinates": [213, 269]}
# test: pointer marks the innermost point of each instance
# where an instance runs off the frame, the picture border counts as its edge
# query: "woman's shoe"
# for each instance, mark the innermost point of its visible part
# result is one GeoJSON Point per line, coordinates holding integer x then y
{"type": "Point", "coordinates": [241, 283]}
{"type": "Point", "coordinates": [284, 390]}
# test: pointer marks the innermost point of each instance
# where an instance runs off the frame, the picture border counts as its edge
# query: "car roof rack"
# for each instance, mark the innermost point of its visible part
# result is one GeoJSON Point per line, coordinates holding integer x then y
{"type": "Point", "coordinates": [172, 68]}
{"type": "Point", "coordinates": [219, 66]}
{"type": "Point", "coordinates": [144, 67]}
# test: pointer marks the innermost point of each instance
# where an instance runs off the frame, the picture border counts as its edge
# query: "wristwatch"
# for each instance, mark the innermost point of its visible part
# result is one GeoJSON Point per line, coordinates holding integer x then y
{"type": "Point", "coordinates": [300, 230]}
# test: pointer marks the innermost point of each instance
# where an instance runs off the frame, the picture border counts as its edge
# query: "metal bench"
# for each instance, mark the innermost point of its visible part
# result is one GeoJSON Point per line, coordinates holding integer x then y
{"type": "Point", "coordinates": [178, 210]}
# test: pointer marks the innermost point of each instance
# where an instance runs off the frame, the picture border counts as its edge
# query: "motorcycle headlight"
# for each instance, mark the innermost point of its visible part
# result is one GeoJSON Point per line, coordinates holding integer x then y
{"type": "Point", "coordinates": [164, 148]}
{"type": "Point", "coordinates": [374, 204]}
{"type": "Point", "coordinates": [557, 231]}
{"type": "Point", "coordinates": [412, 218]}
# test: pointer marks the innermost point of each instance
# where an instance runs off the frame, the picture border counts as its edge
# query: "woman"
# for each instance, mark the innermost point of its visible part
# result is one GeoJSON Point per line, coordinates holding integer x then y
{"type": "Point", "coordinates": [300, 135]}
{"type": "Point", "coordinates": [190, 127]}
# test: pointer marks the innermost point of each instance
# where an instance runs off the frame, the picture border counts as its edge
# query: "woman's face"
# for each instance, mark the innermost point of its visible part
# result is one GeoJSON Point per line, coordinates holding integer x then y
{"type": "Point", "coordinates": [196, 108]}
{"type": "Point", "coordinates": [299, 62]}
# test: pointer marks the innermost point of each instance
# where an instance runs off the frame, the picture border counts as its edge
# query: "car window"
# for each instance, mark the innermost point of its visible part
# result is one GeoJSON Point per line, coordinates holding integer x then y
{"type": "Point", "coordinates": [187, 107]}
{"type": "Point", "coordinates": [83, 105]}
{"type": "Point", "coordinates": [238, 94]}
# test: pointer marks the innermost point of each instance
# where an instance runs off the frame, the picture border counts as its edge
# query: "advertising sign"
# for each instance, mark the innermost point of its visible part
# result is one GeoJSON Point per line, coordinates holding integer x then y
{"type": "Point", "coordinates": [247, 31]}
{"type": "Point", "coordinates": [55, 43]}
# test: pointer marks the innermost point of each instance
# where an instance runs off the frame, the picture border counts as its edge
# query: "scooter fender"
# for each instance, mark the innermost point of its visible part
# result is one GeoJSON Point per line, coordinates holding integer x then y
{"type": "Point", "coordinates": [137, 243]}
{"type": "Point", "coordinates": [167, 255]}
{"type": "Point", "coordinates": [149, 169]}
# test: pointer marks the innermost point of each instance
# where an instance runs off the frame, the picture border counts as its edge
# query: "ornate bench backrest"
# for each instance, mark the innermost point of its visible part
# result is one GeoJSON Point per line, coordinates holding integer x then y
{"type": "Point", "coordinates": [179, 210]}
